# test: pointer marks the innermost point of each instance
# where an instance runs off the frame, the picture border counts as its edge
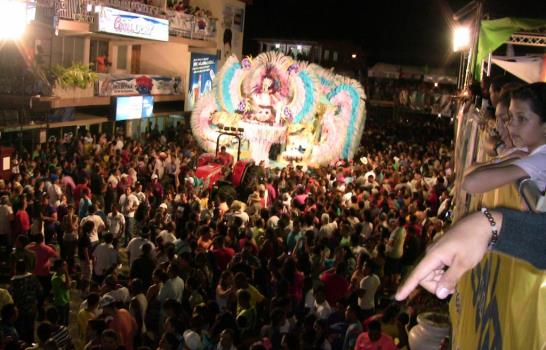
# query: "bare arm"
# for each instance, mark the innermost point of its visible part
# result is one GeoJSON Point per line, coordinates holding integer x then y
{"type": "Point", "coordinates": [489, 177]}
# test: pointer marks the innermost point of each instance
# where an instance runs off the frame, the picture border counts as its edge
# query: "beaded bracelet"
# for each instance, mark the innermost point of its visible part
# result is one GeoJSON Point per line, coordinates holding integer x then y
{"type": "Point", "coordinates": [494, 230]}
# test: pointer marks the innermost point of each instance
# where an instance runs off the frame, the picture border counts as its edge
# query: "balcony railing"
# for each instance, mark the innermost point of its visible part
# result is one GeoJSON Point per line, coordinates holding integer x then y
{"type": "Point", "coordinates": [180, 24]}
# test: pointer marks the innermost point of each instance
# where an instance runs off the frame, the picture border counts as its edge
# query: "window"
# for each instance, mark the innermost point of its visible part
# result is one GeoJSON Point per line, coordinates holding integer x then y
{"type": "Point", "coordinates": [334, 56]}
{"type": "Point", "coordinates": [98, 48]}
{"type": "Point", "coordinates": [326, 55]}
{"type": "Point", "coordinates": [122, 57]}
{"type": "Point", "coordinates": [72, 50]}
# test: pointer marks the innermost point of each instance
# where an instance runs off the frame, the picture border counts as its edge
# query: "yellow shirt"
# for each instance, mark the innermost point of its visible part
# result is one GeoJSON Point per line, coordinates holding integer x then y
{"type": "Point", "coordinates": [83, 318]}
{"type": "Point", "coordinates": [255, 297]}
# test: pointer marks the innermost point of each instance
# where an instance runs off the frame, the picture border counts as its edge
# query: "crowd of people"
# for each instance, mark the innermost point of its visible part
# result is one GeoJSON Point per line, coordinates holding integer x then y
{"type": "Point", "coordinates": [117, 239]}
{"type": "Point", "coordinates": [310, 260]}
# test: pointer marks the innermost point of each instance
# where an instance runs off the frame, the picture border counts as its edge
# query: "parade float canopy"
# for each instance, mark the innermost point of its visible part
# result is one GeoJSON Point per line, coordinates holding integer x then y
{"type": "Point", "coordinates": [316, 117]}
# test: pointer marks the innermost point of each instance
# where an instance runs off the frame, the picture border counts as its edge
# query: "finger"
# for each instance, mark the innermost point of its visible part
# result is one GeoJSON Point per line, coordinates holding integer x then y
{"type": "Point", "coordinates": [430, 283]}
{"type": "Point", "coordinates": [429, 263]}
{"type": "Point", "coordinates": [448, 281]}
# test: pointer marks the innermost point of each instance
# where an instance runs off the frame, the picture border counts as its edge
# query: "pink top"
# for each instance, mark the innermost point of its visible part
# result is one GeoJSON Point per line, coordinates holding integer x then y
{"type": "Point", "coordinates": [43, 254]}
{"type": "Point", "coordinates": [363, 342]}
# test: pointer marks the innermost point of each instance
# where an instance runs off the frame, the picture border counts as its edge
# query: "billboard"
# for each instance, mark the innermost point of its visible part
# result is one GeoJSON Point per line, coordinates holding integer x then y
{"type": "Point", "coordinates": [203, 69]}
{"type": "Point", "coordinates": [120, 22]}
{"type": "Point", "coordinates": [134, 107]}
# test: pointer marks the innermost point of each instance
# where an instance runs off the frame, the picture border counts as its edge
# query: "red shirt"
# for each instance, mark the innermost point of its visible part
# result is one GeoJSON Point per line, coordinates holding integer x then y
{"type": "Point", "coordinates": [223, 256]}
{"type": "Point", "coordinates": [22, 222]}
{"type": "Point", "coordinates": [336, 287]}
{"type": "Point", "coordinates": [43, 254]}
{"type": "Point", "coordinates": [78, 193]}
{"type": "Point", "coordinates": [363, 342]}
{"type": "Point", "coordinates": [126, 326]}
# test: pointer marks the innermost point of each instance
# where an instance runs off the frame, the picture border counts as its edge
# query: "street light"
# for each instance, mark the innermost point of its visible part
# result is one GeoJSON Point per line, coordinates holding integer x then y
{"type": "Point", "coordinates": [461, 38]}
{"type": "Point", "coordinates": [13, 19]}
{"type": "Point", "coordinates": [353, 56]}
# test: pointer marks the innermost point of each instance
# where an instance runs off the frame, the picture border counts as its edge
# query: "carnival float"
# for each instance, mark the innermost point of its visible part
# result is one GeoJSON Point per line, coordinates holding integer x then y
{"type": "Point", "coordinates": [313, 116]}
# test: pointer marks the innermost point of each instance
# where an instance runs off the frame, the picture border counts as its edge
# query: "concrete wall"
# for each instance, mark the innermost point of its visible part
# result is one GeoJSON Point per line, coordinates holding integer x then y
{"type": "Point", "coordinates": [167, 59]}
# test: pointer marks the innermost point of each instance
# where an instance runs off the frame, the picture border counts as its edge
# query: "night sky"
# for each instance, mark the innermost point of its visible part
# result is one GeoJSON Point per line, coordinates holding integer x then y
{"type": "Point", "coordinates": [396, 31]}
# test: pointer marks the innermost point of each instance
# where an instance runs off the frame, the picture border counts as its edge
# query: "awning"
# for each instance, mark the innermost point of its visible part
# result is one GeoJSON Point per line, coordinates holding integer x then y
{"type": "Point", "coordinates": [530, 69]}
{"type": "Point", "coordinates": [494, 33]}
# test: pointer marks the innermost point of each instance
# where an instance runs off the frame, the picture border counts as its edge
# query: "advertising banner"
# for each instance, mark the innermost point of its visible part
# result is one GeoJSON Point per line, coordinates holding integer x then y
{"type": "Point", "coordinates": [120, 22]}
{"type": "Point", "coordinates": [203, 69]}
{"type": "Point", "coordinates": [138, 84]}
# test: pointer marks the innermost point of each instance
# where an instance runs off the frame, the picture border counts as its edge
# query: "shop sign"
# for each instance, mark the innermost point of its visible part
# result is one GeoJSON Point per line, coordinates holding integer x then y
{"type": "Point", "coordinates": [120, 22]}
{"type": "Point", "coordinates": [138, 84]}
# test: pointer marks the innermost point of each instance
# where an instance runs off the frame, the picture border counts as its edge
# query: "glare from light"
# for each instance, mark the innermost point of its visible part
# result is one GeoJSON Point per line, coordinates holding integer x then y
{"type": "Point", "coordinates": [299, 47]}
{"type": "Point", "coordinates": [461, 38]}
{"type": "Point", "coordinates": [353, 55]}
{"type": "Point", "coordinates": [13, 20]}
{"type": "Point", "coordinates": [277, 46]}
{"type": "Point", "coordinates": [439, 115]}
{"type": "Point", "coordinates": [435, 84]}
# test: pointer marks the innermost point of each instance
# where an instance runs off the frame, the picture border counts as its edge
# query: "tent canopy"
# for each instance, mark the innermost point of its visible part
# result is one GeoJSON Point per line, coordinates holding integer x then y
{"type": "Point", "coordinates": [429, 75]}
{"type": "Point", "coordinates": [530, 69]}
{"type": "Point", "coordinates": [494, 33]}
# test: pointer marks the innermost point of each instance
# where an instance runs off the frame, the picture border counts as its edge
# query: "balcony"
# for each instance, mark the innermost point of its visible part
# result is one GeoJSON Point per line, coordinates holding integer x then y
{"type": "Point", "coordinates": [181, 25]}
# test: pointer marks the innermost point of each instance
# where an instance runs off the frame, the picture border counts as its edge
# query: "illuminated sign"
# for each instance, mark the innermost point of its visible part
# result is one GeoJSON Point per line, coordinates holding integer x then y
{"type": "Point", "coordinates": [120, 22]}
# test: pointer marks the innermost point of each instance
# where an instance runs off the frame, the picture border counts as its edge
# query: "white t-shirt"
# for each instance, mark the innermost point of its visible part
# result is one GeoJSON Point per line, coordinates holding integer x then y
{"type": "Point", "coordinates": [121, 295]}
{"type": "Point", "coordinates": [105, 256]}
{"type": "Point", "coordinates": [97, 220]}
{"type": "Point", "coordinates": [114, 224]}
{"type": "Point", "coordinates": [5, 225]}
{"type": "Point", "coordinates": [535, 166]}
{"type": "Point", "coordinates": [128, 204]}
{"type": "Point", "coordinates": [134, 248]}
{"type": "Point", "coordinates": [322, 311]}
{"type": "Point", "coordinates": [369, 284]}
{"type": "Point", "coordinates": [167, 237]}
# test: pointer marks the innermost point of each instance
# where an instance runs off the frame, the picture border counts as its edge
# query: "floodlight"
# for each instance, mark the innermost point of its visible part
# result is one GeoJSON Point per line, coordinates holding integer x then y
{"type": "Point", "coordinates": [461, 38]}
{"type": "Point", "coordinates": [13, 19]}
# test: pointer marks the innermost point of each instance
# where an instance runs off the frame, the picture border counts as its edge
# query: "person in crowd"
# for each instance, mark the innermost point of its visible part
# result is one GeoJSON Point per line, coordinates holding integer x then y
{"type": "Point", "coordinates": [116, 224]}
{"type": "Point", "coordinates": [21, 253]}
{"type": "Point", "coordinates": [121, 322]}
{"type": "Point", "coordinates": [27, 292]}
{"type": "Point", "coordinates": [44, 253]}
{"type": "Point", "coordinates": [70, 228]}
{"type": "Point", "coordinates": [354, 328]}
{"type": "Point", "coordinates": [374, 339]}
{"type": "Point", "coordinates": [144, 266]}
{"type": "Point", "coordinates": [6, 219]}
{"type": "Point", "coordinates": [59, 332]}
{"type": "Point", "coordinates": [105, 258]}
{"type": "Point", "coordinates": [86, 315]}
{"type": "Point", "coordinates": [60, 287]}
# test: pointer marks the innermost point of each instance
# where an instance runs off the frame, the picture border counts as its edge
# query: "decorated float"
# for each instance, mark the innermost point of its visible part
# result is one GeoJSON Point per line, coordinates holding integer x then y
{"type": "Point", "coordinates": [312, 116]}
